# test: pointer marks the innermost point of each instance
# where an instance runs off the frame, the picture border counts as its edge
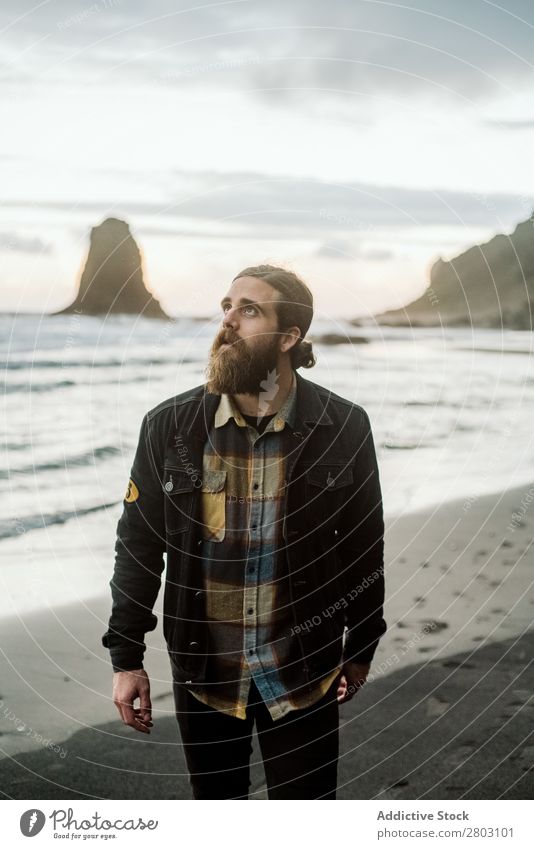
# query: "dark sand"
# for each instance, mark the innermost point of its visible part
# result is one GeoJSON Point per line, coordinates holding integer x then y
{"type": "Point", "coordinates": [448, 712]}
{"type": "Point", "coordinates": [456, 729]}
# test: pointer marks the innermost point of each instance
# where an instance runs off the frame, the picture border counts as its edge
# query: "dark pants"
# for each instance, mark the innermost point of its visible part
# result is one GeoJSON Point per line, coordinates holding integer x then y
{"type": "Point", "coordinates": [300, 751]}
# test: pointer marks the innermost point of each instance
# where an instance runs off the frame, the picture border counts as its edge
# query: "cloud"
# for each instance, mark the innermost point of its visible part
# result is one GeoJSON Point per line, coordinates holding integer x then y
{"type": "Point", "coordinates": [252, 201]}
{"type": "Point", "coordinates": [429, 47]}
{"type": "Point", "coordinates": [24, 244]}
{"type": "Point", "coordinates": [377, 255]}
{"type": "Point", "coordinates": [506, 124]}
{"type": "Point", "coordinates": [285, 207]}
{"type": "Point", "coordinates": [337, 249]}
{"type": "Point", "coordinates": [346, 250]}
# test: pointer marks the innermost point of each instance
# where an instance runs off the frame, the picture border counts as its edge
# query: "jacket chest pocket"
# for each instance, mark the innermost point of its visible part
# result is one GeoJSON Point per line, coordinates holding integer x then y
{"type": "Point", "coordinates": [214, 505]}
{"type": "Point", "coordinates": [325, 491]}
{"type": "Point", "coordinates": [179, 492]}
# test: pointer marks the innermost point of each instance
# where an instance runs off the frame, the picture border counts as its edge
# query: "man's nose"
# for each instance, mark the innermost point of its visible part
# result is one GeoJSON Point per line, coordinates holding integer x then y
{"type": "Point", "coordinates": [230, 318]}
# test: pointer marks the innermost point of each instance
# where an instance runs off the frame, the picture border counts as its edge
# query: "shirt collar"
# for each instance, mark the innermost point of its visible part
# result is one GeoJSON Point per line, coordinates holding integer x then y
{"type": "Point", "coordinates": [228, 409]}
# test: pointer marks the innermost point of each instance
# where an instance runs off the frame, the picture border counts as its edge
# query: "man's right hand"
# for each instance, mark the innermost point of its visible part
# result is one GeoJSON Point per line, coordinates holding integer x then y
{"type": "Point", "coordinates": [127, 687]}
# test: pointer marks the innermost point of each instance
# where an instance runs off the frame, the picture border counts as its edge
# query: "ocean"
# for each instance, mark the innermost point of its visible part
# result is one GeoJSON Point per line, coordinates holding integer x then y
{"type": "Point", "coordinates": [451, 411]}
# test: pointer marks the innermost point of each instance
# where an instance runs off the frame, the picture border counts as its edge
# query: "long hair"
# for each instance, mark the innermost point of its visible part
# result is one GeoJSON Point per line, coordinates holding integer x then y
{"type": "Point", "coordinates": [295, 307]}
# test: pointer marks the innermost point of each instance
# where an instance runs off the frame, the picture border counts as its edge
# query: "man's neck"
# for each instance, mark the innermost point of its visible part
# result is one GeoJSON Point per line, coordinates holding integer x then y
{"type": "Point", "coordinates": [263, 404]}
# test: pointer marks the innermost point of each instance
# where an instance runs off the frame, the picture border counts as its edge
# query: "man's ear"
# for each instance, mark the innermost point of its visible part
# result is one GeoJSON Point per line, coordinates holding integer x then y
{"type": "Point", "coordinates": [289, 338]}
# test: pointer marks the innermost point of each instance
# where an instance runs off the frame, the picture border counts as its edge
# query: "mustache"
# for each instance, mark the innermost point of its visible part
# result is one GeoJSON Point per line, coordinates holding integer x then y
{"type": "Point", "coordinates": [228, 339]}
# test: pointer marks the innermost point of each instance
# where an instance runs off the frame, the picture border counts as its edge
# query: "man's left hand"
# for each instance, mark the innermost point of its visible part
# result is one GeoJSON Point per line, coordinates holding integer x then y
{"type": "Point", "coordinates": [352, 677]}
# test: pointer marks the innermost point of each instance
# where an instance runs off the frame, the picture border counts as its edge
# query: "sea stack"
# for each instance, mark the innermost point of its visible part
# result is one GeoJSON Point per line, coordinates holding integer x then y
{"type": "Point", "coordinates": [112, 279]}
{"type": "Point", "coordinates": [489, 285]}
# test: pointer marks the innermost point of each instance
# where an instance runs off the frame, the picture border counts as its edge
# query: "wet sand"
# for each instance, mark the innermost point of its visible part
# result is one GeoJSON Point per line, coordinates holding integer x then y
{"type": "Point", "coordinates": [446, 714]}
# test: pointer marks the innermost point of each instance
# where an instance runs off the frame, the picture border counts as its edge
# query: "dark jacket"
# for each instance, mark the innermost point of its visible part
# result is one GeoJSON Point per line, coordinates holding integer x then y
{"type": "Point", "coordinates": [333, 527]}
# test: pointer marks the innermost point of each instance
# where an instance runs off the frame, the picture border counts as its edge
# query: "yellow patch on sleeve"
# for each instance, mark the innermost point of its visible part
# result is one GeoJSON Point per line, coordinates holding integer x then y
{"type": "Point", "coordinates": [132, 493]}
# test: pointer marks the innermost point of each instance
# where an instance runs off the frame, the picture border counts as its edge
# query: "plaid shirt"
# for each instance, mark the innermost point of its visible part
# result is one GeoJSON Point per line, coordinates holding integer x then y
{"type": "Point", "coordinates": [248, 609]}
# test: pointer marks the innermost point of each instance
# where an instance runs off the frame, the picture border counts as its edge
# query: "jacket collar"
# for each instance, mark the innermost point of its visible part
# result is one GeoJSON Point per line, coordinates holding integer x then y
{"type": "Point", "coordinates": [309, 410]}
{"type": "Point", "coordinates": [286, 414]}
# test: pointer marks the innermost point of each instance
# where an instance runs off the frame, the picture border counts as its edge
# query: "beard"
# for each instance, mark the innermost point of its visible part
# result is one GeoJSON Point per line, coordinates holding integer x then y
{"type": "Point", "coordinates": [242, 366]}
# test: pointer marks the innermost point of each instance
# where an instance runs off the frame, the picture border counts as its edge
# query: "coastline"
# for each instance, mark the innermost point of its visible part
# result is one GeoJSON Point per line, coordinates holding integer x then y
{"type": "Point", "coordinates": [466, 570]}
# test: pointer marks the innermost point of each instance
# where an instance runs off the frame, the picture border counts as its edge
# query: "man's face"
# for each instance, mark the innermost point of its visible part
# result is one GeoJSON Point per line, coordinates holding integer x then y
{"type": "Point", "coordinates": [250, 331]}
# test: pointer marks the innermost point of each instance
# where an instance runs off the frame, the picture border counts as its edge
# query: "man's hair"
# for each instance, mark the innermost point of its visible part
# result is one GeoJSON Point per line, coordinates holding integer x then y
{"type": "Point", "coordinates": [294, 307]}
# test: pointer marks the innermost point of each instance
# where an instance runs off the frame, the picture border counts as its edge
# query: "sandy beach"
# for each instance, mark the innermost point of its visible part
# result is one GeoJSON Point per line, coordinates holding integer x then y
{"type": "Point", "coordinates": [446, 714]}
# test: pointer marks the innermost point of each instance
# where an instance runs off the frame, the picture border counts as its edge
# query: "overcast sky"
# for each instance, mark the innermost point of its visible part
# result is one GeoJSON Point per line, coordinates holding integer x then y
{"type": "Point", "coordinates": [353, 141]}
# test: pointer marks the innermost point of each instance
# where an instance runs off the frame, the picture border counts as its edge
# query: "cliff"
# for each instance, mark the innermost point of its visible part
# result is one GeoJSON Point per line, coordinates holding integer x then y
{"type": "Point", "coordinates": [489, 285]}
{"type": "Point", "coordinates": [112, 279]}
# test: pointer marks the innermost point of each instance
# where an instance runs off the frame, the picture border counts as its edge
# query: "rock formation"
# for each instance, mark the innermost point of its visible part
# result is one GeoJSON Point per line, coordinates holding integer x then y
{"type": "Point", "coordinates": [489, 285]}
{"type": "Point", "coordinates": [112, 279]}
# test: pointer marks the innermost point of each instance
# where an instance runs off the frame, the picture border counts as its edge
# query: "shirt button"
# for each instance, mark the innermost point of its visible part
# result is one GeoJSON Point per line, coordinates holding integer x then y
{"type": "Point", "coordinates": [250, 610]}
{"type": "Point", "coordinates": [251, 651]}
{"type": "Point", "coordinates": [254, 527]}
{"type": "Point", "coordinates": [251, 570]}
{"type": "Point", "coordinates": [256, 485]}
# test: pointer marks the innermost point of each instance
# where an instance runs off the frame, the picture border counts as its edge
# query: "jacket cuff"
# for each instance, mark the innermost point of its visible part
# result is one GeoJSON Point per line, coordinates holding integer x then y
{"type": "Point", "coordinates": [123, 657]}
{"type": "Point", "coordinates": [125, 661]}
{"type": "Point", "coordinates": [125, 667]}
{"type": "Point", "coordinates": [360, 650]}
{"type": "Point", "coordinates": [362, 657]}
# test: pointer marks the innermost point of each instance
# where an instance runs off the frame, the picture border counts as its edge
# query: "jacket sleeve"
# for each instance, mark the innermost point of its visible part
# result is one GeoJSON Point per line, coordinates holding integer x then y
{"type": "Point", "coordinates": [361, 552]}
{"type": "Point", "coordinates": [139, 561]}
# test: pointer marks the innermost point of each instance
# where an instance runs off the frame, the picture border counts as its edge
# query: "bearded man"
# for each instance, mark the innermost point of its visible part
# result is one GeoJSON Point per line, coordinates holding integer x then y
{"type": "Point", "coordinates": [263, 490]}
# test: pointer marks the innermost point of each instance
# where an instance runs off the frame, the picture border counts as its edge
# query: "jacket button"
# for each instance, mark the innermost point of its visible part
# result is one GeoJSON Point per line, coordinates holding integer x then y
{"type": "Point", "coordinates": [198, 594]}
{"type": "Point", "coordinates": [193, 644]}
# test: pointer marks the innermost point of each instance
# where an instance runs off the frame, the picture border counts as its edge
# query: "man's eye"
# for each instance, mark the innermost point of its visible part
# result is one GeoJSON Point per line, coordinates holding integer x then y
{"type": "Point", "coordinates": [243, 308]}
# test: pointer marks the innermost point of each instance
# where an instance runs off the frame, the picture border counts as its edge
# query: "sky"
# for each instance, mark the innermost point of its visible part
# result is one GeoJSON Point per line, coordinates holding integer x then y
{"type": "Point", "coordinates": [353, 142]}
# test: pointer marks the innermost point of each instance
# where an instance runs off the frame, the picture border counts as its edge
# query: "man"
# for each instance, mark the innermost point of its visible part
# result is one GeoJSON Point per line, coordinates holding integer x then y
{"type": "Point", "coordinates": [263, 489]}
